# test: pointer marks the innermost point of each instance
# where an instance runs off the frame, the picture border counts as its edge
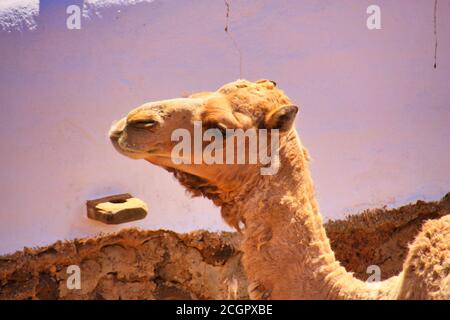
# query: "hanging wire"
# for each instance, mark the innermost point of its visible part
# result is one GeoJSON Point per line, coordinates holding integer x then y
{"type": "Point", "coordinates": [227, 6]}
{"type": "Point", "coordinates": [435, 33]}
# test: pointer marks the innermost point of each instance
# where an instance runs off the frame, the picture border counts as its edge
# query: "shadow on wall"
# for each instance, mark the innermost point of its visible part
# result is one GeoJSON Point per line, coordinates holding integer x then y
{"type": "Point", "coordinates": [52, 14]}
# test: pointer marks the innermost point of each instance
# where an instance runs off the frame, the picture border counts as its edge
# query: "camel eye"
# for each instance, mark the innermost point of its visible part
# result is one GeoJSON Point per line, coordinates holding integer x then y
{"type": "Point", "coordinates": [144, 124]}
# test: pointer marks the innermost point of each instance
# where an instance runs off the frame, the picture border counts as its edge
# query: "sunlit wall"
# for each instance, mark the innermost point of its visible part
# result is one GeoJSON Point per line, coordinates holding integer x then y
{"type": "Point", "coordinates": [375, 114]}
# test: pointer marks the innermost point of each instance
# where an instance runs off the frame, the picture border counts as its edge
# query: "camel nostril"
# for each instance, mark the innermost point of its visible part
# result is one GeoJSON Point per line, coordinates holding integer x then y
{"type": "Point", "coordinates": [117, 128]}
{"type": "Point", "coordinates": [115, 135]}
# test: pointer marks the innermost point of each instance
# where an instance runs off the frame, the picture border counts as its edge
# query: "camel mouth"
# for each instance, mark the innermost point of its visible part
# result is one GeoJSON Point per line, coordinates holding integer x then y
{"type": "Point", "coordinates": [123, 150]}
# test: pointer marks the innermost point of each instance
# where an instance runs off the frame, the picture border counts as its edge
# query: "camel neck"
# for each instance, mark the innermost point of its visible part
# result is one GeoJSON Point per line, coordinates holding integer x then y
{"type": "Point", "coordinates": [287, 254]}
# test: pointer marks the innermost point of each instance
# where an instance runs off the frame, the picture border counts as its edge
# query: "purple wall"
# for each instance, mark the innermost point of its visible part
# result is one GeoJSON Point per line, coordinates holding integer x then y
{"type": "Point", "coordinates": [375, 114]}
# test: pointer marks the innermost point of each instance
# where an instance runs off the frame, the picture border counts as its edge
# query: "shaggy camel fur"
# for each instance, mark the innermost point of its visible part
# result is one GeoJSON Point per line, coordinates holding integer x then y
{"type": "Point", "coordinates": [287, 254]}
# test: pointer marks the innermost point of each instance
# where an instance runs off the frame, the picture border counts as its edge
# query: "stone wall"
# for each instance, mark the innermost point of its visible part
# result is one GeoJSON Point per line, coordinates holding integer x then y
{"type": "Point", "coordinates": [139, 264]}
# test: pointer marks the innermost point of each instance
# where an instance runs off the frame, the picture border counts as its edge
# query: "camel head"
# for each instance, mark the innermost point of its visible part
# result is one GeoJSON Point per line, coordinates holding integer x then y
{"type": "Point", "coordinates": [154, 132]}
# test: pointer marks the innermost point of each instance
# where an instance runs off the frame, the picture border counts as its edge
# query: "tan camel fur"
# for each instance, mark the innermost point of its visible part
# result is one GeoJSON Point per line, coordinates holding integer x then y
{"type": "Point", "coordinates": [287, 254]}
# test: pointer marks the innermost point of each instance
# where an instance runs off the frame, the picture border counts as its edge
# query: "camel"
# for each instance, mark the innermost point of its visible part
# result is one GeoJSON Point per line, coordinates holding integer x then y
{"type": "Point", "coordinates": [286, 252]}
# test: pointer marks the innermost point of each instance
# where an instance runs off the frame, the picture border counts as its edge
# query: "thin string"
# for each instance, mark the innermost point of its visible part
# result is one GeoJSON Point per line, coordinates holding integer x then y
{"type": "Point", "coordinates": [435, 33]}
{"type": "Point", "coordinates": [227, 5]}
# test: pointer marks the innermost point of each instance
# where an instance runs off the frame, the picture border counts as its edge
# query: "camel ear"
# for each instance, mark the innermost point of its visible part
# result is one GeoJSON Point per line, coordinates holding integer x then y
{"type": "Point", "coordinates": [281, 118]}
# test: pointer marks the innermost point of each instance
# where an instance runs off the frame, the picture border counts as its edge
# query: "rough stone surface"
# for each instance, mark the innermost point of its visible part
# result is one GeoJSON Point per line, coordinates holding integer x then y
{"type": "Point", "coordinates": [138, 264]}
{"type": "Point", "coordinates": [116, 209]}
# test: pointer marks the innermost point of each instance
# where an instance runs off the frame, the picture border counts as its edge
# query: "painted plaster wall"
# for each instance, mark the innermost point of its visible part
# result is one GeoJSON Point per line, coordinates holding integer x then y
{"type": "Point", "coordinates": [374, 113]}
